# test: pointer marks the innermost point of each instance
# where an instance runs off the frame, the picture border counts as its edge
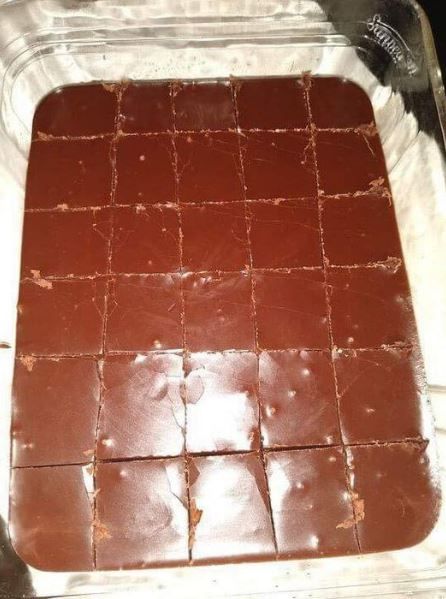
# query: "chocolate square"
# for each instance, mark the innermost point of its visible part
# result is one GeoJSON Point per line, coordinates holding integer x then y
{"type": "Point", "coordinates": [360, 230]}
{"type": "Point", "coordinates": [381, 394]}
{"type": "Point", "coordinates": [145, 170]}
{"type": "Point", "coordinates": [230, 514]}
{"type": "Point", "coordinates": [338, 103]}
{"type": "Point", "coordinates": [201, 106]}
{"type": "Point", "coordinates": [291, 310]}
{"type": "Point", "coordinates": [298, 399]}
{"type": "Point", "coordinates": [142, 514]}
{"type": "Point", "coordinates": [209, 168]}
{"type": "Point", "coordinates": [65, 244]}
{"type": "Point", "coordinates": [214, 237]}
{"type": "Point", "coordinates": [370, 307]}
{"type": "Point", "coordinates": [143, 412]}
{"type": "Point", "coordinates": [218, 312]}
{"type": "Point", "coordinates": [396, 486]}
{"type": "Point", "coordinates": [312, 509]}
{"type": "Point", "coordinates": [60, 317]}
{"type": "Point", "coordinates": [285, 234]}
{"type": "Point", "coordinates": [146, 108]}
{"type": "Point", "coordinates": [279, 165]}
{"type": "Point", "coordinates": [77, 110]}
{"type": "Point", "coordinates": [221, 399]}
{"type": "Point", "coordinates": [144, 313]}
{"type": "Point", "coordinates": [69, 174]}
{"type": "Point", "coordinates": [51, 517]}
{"type": "Point", "coordinates": [275, 103]}
{"type": "Point", "coordinates": [349, 162]}
{"type": "Point", "coordinates": [43, 432]}
{"type": "Point", "coordinates": [146, 239]}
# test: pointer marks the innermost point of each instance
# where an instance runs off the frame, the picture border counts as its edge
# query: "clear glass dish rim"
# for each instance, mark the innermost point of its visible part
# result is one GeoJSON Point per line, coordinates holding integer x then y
{"type": "Point", "coordinates": [429, 49]}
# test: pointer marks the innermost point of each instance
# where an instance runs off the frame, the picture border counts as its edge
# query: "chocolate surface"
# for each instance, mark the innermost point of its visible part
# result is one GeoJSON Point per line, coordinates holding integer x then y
{"type": "Point", "coordinates": [146, 108]}
{"type": "Point", "coordinates": [230, 494]}
{"type": "Point", "coordinates": [217, 357]}
{"type": "Point", "coordinates": [309, 500]}
{"type": "Point", "coordinates": [298, 399]}
{"type": "Point", "coordinates": [349, 162]}
{"type": "Point", "coordinates": [215, 237]}
{"type": "Point", "coordinates": [66, 243]}
{"type": "Point", "coordinates": [51, 518]}
{"type": "Point", "coordinates": [142, 509]}
{"type": "Point", "coordinates": [143, 413]}
{"type": "Point", "coordinates": [218, 311]}
{"type": "Point", "coordinates": [146, 237]}
{"type": "Point", "coordinates": [401, 500]}
{"type": "Point", "coordinates": [222, 403]}
{"type": "Point", "coordinates": [80, 174]}
{"type": "Point", "coordinates": [44, 433]}
{"type": "Point", "coordinates": [360, 231]}
{"type": "Point", "coordinates": [272, 104]}
{"type": "Point", "coordinates": [77, 110]}
{"type": "Point", "coordinates": [145, 171]}
{"type": "Point", "coordinates": [144, 313]}
{"type": "Point", "coordinates": [278, 165]}
{"type": "Point", "coordinates": [291, 309]}
{"type": "Point", "coordinates": [370, 307]}
{"type": "Point", "coordinates": [339, 103]}
{"type": "Point", "coordinates": [294, 227]}
{"type": "Point", "coordinates": [381, 394]}
{"type": "Point", "coordinates": [60, 317]}
{"type": "Point", "coordinates": [201, 106]}
{"type": "Point", "coordinates": [209, 167]}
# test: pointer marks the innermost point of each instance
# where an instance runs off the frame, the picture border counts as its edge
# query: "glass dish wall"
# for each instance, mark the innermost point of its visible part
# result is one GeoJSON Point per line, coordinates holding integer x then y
{"type": "Point", "coordinates": [383, 45]}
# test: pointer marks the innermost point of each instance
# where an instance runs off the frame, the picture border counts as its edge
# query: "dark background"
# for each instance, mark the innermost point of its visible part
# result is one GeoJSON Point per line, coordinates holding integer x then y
{"type": "Point", "coordinates": [434, 8]}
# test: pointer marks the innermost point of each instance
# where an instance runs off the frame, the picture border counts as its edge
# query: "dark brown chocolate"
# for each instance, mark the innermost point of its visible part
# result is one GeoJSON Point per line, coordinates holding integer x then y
{"type": "Point", "coordinates": [370, 307]}
{"type": "Point", "coordinates": [218, 311]}
{"type": "Point", "coordinates": [294, 227]}
{"type": "Point", "coordinates": [146, 237]}
{"type": "Point", "coordinates": [43, 432]}
{"type": "Point", "coordinates": [142, 413]}
{"type": "Point", "coordinates": [396, 484]}
{"type": "Point", "coordinates": [339, 103]}
{"type": "Point", "coordinates": [144, 313]}
{"type": "Point", "coordinates": [203, 106]}
{"type": "Point", "coordinates": [77, 110]}
{"type": "Point", "coordinates": [350, 162]}
{"type": "Point", "coordinates": [231, 516]}
{"type": "Point", "coordinates": [80, 174]}
{"type": "Point", "coordinates": [209, 168]}
{"type": "Point", "coordinates": [217, 356]}
{"type": "Point", "coordinates": [272, 104]}
{"type": "Point", "coordinates": [146, 108]}
{"type": "Point", "coordinates": [51, 517]}
{"type": "Point", "coordinates": [310, 502]}
{"type": "Point", "coordinates": [215, 237]}
{"type": "Point", "coordinates": [360, 230]}
{"type": "Point", "coordinates": [142, 509]}
{"type": "Point", "coordinates": [381, 394]}
{"type": "Point", "coordinates": [145, 170]}
{"type": "Point", "coordinates": [278, 165]}
{"type": "Point", "coordinates": [60, 317]}
{"type": "Point", "coordinates": [291, 309]}
{"type": "Point", "coordinates": [298, 399]}
{"type": "Point", "coordinates": [222, 403]}
{"type": "Point", "coordinates": [66, 243]}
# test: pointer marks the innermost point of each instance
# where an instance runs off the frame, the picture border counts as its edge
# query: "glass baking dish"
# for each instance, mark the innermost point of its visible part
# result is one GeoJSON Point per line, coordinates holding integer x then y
{"type": "Point", "coordinates": [384, 46]}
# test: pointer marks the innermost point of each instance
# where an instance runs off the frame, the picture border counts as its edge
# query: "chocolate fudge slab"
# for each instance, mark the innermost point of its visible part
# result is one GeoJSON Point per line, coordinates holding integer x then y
{"type": "Point", "coordinates": [51, 517]}
{"type": "Point", "coordinates": [217, 358]}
